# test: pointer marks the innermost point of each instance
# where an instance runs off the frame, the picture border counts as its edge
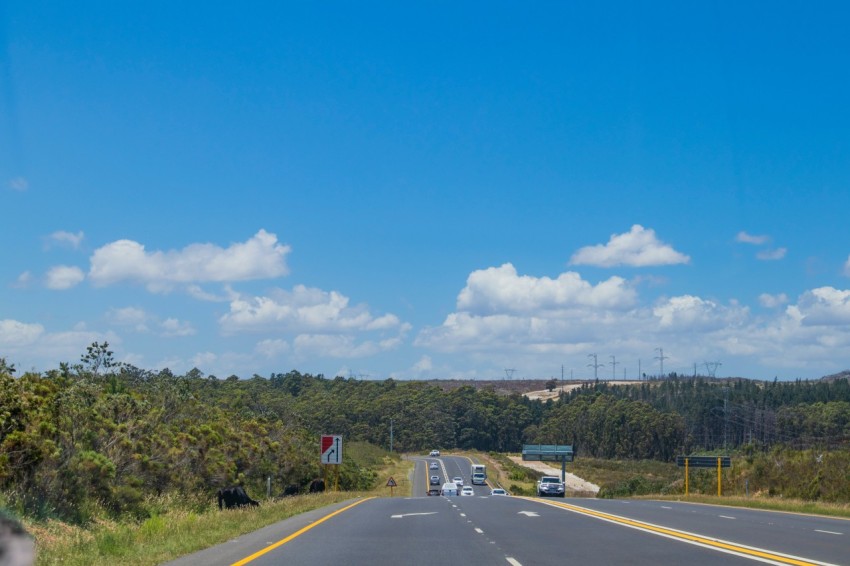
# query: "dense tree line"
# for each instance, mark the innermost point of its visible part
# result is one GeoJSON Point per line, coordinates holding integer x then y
{"type": "Point", "coordinates": [110, 435]}
{"type": "Point", "coordinates": [740, 412]}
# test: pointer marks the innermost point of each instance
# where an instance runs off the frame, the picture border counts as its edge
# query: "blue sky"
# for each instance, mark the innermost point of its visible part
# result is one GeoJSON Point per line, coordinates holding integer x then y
{"type": "Point", "coordinates": [441, 191]}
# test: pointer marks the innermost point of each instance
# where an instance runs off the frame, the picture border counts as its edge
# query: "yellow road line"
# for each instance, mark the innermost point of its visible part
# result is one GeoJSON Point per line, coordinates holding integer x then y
{"type": "Point", "coordinates": [296, 534]}
{"type": "Point", "coordinates": [688, 537]}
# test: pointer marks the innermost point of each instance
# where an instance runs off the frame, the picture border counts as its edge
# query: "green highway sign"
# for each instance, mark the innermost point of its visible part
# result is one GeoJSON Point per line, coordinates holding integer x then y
{"type": "Point", "coordinates": [547, 452]}
{"type": "Point", "coordinates": [704, 461]}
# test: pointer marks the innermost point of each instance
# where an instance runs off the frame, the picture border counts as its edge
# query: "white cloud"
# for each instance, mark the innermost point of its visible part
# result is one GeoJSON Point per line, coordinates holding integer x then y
{"type": "Point", "coordinates": [19, 184]}
{"type": "Point", "coordinates": [745, 238]}
{"type": "Point", "coordinates": [64, 277]}
{"type": "Point", "coordinates": [304, 309]}
{"type": "Point", "coordinates": [260, 257]}
{"type": "Point", "coordinates": [690, 314]}
{"type": "Point", "coordinates": [825, 306]}
{"type": "Point", "coordinates": [691, 329]}
{"type": "Point", "coordinates": [132, 317]}
{"type": "Point", "coordinates": [67, 238]}
{"type": "Point", "coordinates": [272, 348]}
{"type": "Point", "coordinates": [637, 248]}
{"type": "Point", "coordinates": [197, 292]}
{"type": "Point", "coordinates": [771, 254]}
{"type": "Point", "coordinates": [334, 346]}
{"type": "Point", "coordinates": [14, 334]}
{"type": "Point", "coordinates": [772, 301]}
{"type": "Point", "coordinates": [141, 321]}
{"type": "Point", "coordinates": [172, 327]}
{"type": "Point", "coordinates": [23, 281]}
{"type": "Point", "coordinates": [500, 290]}
{"type": "Point", "coordinates": [423, 365]}
{"type": "Point", "coordinates": [31, 345]}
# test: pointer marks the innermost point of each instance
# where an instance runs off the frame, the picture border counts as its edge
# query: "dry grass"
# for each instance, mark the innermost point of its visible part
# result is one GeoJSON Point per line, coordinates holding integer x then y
{"type": "Point", "coordinates": [179, 530]}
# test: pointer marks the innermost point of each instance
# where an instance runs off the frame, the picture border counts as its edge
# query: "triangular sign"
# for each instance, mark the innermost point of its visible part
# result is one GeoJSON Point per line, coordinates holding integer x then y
{"type": "Point", "coordinates": [391, 483]}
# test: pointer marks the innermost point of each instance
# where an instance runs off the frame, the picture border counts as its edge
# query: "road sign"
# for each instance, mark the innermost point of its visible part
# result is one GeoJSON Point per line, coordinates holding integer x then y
{"type": "Point", "coordinates": [331, 449]}
{"type": "Point", "coordinates": [704, 461]}
{"type": "Point", "coordinates": [547, 452]}
{"type": "Point", "coordinates": [391, 482]}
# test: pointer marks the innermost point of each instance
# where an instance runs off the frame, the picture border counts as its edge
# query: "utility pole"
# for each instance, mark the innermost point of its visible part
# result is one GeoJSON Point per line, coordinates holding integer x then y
{"type": "Point", "coordinates": [640, 375]}
{"type": "Point", "coordinates": [595, 365]}
{"type": "Point", "coordinates": [614, 368]}
{"type": "Point", "coordinates": [661, 357]}
{"type": "Point", "coordinates": [725, 416]}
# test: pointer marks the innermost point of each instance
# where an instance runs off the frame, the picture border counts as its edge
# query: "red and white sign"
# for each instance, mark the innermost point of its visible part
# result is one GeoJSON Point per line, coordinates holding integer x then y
{"type": "Point", "coordinates": [331, 449]}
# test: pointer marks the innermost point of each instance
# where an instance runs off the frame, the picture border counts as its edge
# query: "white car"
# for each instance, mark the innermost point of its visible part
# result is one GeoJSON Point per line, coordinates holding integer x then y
{"type": "Point", "coordinates": [435, 453]}
{"type": "Point", "coordinates": [458, 480]}
{"type": "Point", "coordinates": [435, 480]}
{"type": "Point", "coordinates": [467, 490]}
{"type": "Point", "coordinates": [434, 466]}
{"type": "Point", "coordinates": [449, 489]}
{"type": "Point", "coordinates": [498, 491]}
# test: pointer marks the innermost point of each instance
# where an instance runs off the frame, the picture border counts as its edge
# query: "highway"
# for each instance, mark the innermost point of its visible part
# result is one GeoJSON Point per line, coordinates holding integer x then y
{"type": "Point", "coordinates": [486, 530]}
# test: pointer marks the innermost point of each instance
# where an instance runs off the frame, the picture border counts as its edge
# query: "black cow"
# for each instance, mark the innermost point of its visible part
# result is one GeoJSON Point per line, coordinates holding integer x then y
{"type": "Point", "coordinates": [317, 486]}
{"type": "Point", "coordinates": [291, 489]}
{"type": "Point", "coordinates": [234, 497]}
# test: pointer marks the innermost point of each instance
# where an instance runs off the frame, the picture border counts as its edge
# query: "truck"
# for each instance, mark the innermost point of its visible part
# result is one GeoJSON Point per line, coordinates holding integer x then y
{"type": "Point", "coordinates": [551, 485]}
{"type": "Point", "coordinates": [477, 469]}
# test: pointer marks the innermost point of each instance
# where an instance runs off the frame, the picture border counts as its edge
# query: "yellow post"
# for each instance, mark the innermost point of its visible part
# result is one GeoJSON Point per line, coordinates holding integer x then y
{"type": "Point", "coordinates": [686, 477]}
{"type": "Point", "coordinates": [719, 477]}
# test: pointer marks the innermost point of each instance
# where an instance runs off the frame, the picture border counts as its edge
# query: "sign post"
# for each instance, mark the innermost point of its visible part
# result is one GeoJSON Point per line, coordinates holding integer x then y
{"type": "Point", "coordinates": [704, 462]}
{"type": "Point", "coordinates": [331, 453]}
{"type": "Point", "coordinates": [391, 484]}
{"type": "Point", "coordinates": [562, 453]}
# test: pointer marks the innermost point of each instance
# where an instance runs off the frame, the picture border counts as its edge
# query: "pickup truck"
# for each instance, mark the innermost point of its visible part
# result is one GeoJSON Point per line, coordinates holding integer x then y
{"type": "Point", "coordinates": [550, 485]}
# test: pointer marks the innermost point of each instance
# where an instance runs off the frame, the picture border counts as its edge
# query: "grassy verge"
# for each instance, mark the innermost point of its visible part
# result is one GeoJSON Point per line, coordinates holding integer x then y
{"type": "Point", "coordinates": [178, 531]}
{"type": "Point", "coordinates": [645, 479]}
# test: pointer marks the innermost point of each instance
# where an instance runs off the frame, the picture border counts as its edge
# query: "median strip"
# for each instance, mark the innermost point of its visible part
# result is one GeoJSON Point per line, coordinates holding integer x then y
{"type": "Point", "coordinates": [692, 538]}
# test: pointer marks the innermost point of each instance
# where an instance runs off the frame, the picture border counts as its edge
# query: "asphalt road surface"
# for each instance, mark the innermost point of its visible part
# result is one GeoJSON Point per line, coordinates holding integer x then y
{"type": "Point", "coordinates": [485, 530]}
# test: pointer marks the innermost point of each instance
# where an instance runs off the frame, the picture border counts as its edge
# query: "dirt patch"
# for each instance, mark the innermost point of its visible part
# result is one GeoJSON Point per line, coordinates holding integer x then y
{"type": "Point", "coordinates": [545, 394]}
{"type": "Point", "coordinates": [572, 481]}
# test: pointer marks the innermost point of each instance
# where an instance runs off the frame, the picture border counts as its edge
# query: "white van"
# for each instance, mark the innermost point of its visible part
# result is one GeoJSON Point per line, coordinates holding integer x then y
{"type": "Point", "coordinates": [449, 489]}
{"type": "Point", "coordinates": [479, 479]}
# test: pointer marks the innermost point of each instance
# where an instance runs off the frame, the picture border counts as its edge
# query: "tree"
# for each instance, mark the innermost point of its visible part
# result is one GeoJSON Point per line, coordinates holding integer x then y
{"type": "Point", "coordinates": [551, 384]}
{"type": "Point", "coordinates": [97, 357]}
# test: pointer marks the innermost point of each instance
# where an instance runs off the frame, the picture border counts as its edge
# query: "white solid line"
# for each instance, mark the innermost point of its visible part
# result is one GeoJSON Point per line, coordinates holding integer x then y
{"type": "Point", "coordinates": [479, 531]}
{"type": "Point", "coordinates": [725, 517]}
{"type": "Point", "coordinates": [512, 561]}
{"type": "Point", "coordinates": [828, 532]}
{"type": "Point", "coordinates": [665, 507]}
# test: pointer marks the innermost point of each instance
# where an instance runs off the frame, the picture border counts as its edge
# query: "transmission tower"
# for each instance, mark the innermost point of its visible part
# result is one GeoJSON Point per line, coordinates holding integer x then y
{"type": "Point", "coordinates": [594, 365]}
{"type": "Point", "coordinates": [661, 357]}
{"type": "Point", "coordinates": [711, 368]}
{"type": "Point", "coordinates": [509, 373]}
{"type": "Point", "coordinates": [614, 363]}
